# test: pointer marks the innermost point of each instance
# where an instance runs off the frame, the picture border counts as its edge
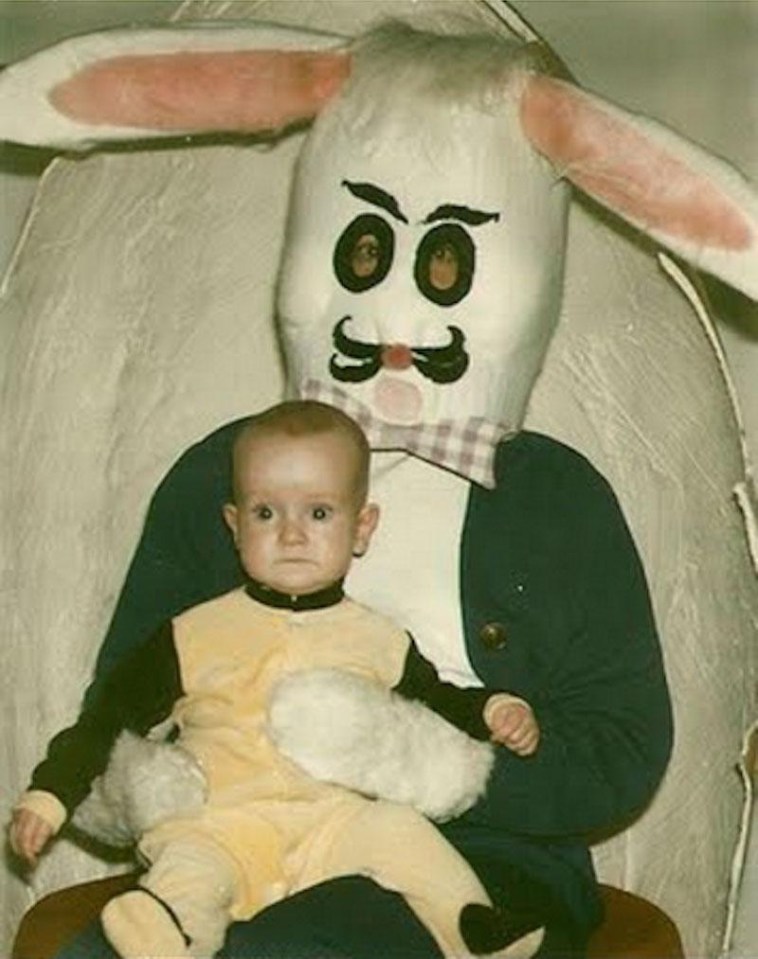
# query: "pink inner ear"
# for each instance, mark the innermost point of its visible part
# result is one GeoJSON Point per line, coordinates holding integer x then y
{"type": "Point", "coordinates": [624, 168]}
{"type": "Point", "coordinates": [242, 91]}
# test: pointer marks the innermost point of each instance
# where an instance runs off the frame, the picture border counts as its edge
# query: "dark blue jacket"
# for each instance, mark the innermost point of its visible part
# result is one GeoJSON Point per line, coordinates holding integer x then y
{"type": "Point", "coordinates": [556, 609]}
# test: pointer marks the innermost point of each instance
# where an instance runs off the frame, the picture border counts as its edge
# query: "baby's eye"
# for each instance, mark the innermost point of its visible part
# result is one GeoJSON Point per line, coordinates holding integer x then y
{"type": "Point", "coordinates": [263, 512]}
{"type": "Point", "coordinates": [321, 513]}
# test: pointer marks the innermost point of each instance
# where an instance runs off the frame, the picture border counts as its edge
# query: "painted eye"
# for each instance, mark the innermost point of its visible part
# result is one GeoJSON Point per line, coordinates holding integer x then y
{"type": "Point", "coordinates": [321, 513]}
{"type": "Point", "coordinates": [263, 512]}
{"type": "Point", "coordinates": [445, 262]}
{"type": "Point", "coordinates": [363, 254]}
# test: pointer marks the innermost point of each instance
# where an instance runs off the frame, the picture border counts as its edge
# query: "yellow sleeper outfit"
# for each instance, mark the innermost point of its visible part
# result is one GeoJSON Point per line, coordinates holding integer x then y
{"type": "Point", "coordinates": [269, 829]}
{"type": "Point", "coordinates": [277, 829]}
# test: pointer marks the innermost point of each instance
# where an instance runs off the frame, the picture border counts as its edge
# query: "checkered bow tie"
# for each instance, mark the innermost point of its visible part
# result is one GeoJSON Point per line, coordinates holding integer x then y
{"type": "Point", "coordinates": [466, 447]}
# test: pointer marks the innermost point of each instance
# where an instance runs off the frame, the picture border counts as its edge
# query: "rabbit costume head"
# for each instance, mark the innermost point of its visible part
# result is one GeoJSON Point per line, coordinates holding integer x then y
{"type": "Point", "coordinates": [424, 257]}
{"type": "Point", "coordinates": [423, 261]}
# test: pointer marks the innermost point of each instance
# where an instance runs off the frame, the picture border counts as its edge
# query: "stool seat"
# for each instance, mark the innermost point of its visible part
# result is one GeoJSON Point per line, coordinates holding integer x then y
{"type": "Point", "coordinates": [633, 927]}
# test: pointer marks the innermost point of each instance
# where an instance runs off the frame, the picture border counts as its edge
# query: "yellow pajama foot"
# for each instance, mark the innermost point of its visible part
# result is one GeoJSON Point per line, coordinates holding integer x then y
{"type": "Point", "coordinates": [138, 926]}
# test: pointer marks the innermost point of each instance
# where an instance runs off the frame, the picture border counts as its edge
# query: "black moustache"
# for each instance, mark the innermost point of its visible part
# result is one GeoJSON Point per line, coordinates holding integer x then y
{"type": "Point", "coordinates": [441, 364]}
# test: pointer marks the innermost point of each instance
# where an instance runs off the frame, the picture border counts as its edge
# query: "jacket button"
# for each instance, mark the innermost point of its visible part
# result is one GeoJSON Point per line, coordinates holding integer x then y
{"type": "Point", "coordinates": [493, 635]}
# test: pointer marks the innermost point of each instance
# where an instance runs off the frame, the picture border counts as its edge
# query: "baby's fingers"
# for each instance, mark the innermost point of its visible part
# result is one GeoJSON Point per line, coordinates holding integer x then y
{"type": "Point", "coordinates": [518, 730]}
{"type": "Point", "coordinates": [28, 835]}
{"type": "Point", "coordinates": [525, 742]}
{"type": "Point", "coordinates": [507, 722]}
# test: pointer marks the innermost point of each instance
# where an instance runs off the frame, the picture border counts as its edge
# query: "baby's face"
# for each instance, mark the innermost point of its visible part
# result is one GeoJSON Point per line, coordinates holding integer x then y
{"type": "Point", "coordinates": [298, 519]}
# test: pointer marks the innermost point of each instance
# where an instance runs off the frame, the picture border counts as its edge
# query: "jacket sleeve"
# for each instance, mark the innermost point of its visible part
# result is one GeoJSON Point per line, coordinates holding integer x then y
{"type": "Point", "coordinates": [136, 695]}
{"type": "Point", "coordinates": [585, 654]}
{"type": "Point", "coordinates": [463, 708]}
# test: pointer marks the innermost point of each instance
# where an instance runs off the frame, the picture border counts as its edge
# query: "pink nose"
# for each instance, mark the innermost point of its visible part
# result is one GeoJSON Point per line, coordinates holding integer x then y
{"type": "Point", "coordinates": [396, 356]}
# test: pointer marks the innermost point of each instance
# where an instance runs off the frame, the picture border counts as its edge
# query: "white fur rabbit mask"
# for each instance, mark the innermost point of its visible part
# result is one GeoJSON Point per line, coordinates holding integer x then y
{"type": "Point", "coordinates": [424, 257]}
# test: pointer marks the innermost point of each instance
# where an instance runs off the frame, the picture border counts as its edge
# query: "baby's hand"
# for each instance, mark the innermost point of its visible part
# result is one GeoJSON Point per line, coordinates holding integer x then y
{"type": "Point", "coordinates": [28, 835]}
{"type": "Point", "coordinates": [513, 724]}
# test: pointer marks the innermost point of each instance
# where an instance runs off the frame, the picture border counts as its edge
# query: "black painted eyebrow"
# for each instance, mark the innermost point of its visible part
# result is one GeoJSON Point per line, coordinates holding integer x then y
{"type": "Point", "coordinates": [451, 211]}
{"type": "Point", "coordinates": [377, 197]}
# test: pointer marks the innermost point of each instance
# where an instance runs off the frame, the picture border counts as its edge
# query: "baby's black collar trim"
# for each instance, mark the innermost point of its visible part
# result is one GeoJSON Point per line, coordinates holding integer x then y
{"type": "Point", "coordinates": [321, 599]}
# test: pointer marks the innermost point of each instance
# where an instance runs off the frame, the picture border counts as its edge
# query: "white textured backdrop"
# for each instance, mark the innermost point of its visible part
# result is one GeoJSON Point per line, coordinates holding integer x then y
{"type": "Point", "coordinates": [137, 317]}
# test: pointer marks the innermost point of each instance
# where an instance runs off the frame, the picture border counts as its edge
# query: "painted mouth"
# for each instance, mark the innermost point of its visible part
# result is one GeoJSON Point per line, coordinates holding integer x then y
{"type": "Point", "coordinates": [357, 361]}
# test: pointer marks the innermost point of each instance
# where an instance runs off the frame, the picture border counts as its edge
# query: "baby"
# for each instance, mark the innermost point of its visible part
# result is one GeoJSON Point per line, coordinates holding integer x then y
{"type": "Point", "coordinates": [299, 515]}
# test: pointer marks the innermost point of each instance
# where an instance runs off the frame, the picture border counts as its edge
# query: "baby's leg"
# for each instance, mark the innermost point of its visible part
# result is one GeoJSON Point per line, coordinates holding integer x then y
{"type": "Point", "coordinates": [182, 909]}
{"type": "Point", "coordinates": [402, 851]}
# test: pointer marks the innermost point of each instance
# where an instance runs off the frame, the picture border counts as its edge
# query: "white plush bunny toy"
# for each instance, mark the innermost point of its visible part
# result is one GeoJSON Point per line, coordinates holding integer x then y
{"type": "Point", "coordinates": [421, 283]}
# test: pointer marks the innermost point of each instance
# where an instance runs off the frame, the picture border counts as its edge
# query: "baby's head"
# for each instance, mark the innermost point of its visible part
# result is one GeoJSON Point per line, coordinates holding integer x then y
{"type": "Point", "coordinates": [300, 486]}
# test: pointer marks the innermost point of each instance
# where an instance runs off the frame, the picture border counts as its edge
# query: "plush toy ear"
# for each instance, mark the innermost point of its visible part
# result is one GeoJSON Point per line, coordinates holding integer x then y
{"type": "Point", "coordinates": [135, 84]}
{"type": "Point", "coordinates": [687, 199]}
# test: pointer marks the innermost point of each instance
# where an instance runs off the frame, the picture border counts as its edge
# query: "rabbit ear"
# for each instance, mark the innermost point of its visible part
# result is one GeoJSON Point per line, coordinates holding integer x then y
{"type": "Point", "coordinates": [136, 84]}
{"type": "Point", "coordinates": [692, 202]}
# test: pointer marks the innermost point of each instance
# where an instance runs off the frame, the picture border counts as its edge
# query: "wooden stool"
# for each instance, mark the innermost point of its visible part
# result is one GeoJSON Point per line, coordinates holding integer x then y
{"type": "Point", "coordinates": [633, 928]}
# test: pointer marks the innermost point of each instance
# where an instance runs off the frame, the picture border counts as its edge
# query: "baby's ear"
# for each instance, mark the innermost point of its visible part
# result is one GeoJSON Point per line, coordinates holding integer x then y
{"type": "Point", "coordinates": [368, 519]}
{"type": "Point", "coordinates": [230, 514]}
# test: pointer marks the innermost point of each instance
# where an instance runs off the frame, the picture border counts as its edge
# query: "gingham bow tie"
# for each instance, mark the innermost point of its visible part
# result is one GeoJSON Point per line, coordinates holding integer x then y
{"type": "Point", "coordinates": [466, 447]}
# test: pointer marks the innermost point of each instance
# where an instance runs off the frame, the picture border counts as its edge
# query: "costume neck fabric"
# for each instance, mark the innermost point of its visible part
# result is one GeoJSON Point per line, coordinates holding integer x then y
{"type": "Point", "coordinates": [466, 447]}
